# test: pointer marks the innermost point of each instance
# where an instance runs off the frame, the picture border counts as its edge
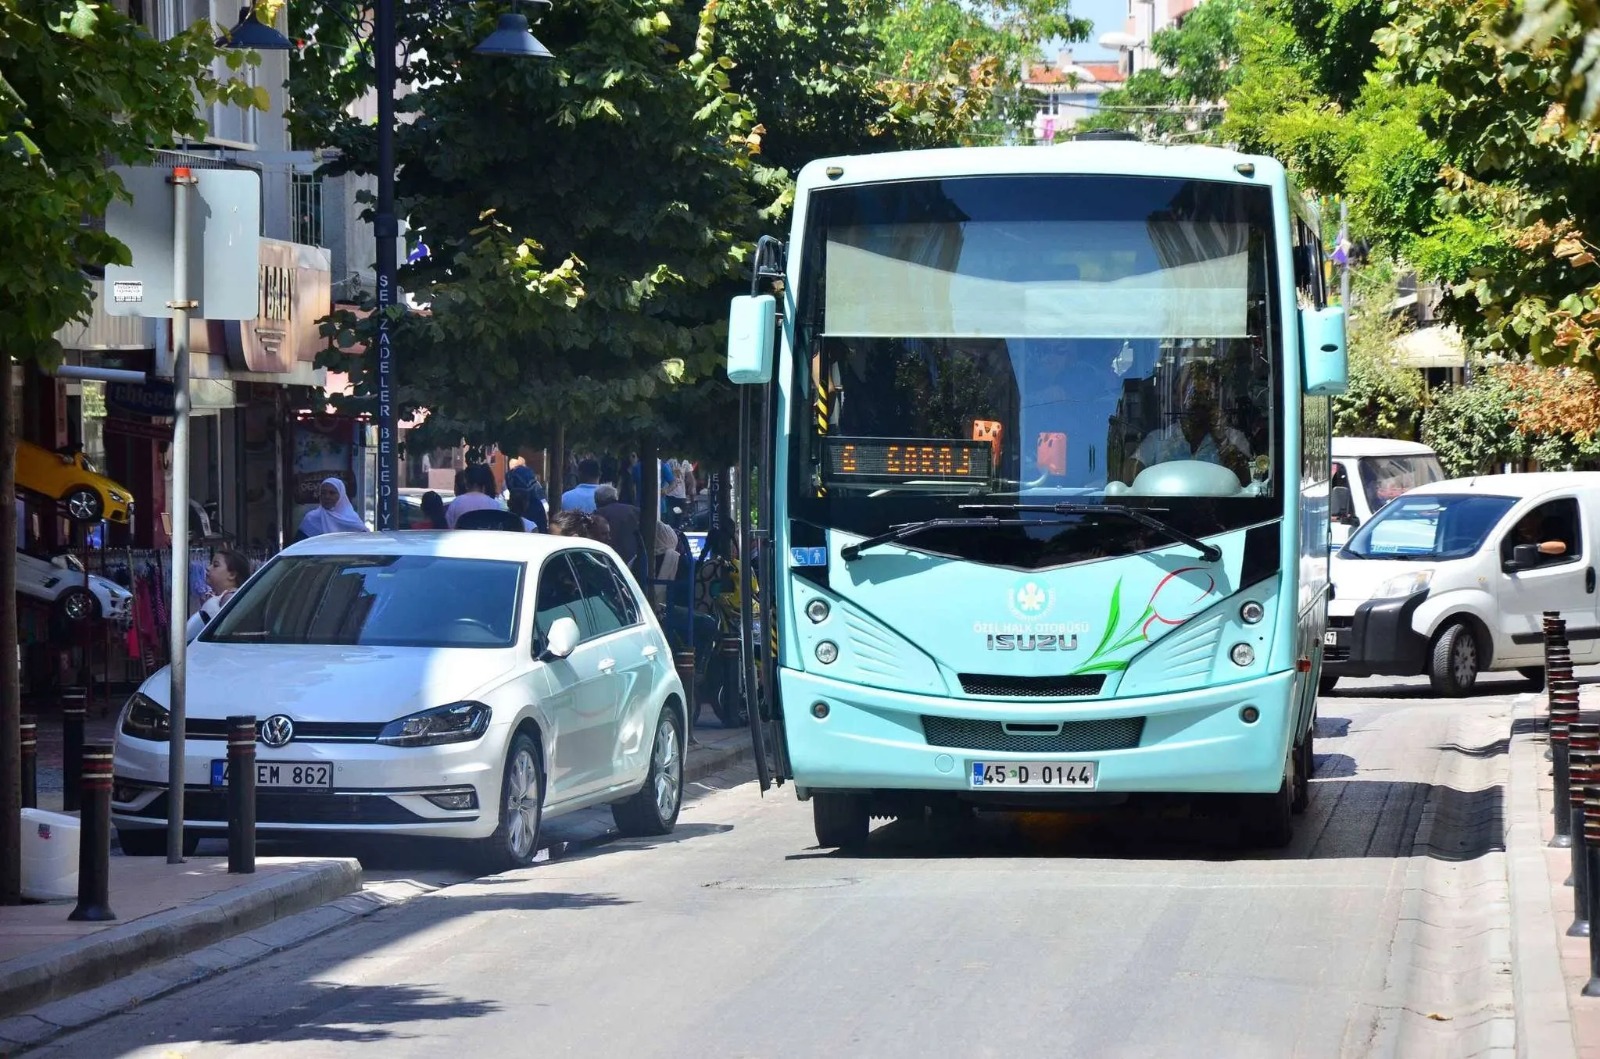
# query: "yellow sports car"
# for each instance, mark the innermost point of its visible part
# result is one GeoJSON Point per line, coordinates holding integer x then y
{"type": "Point", "coordinates": [66, 476]}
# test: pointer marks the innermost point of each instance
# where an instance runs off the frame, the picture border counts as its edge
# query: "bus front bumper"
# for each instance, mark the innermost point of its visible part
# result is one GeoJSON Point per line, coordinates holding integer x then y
{"type": "Point", "coordinates": [1182, 742]}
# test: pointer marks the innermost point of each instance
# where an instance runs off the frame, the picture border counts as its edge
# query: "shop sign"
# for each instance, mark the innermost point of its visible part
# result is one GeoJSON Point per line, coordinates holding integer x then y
{"type": "Point", "coordinates": [294, 293]}
{"type": "Point", "coordinates": [136, 428]}
{"type": "Point", "coordinates": [140, 398]}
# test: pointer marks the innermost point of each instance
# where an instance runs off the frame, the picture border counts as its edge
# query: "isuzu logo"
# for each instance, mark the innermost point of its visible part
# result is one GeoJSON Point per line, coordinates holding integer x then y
{"type": "Point", "coordinates": [1031, 642]}
{"type": "Point", "coordinates": [277, 730]}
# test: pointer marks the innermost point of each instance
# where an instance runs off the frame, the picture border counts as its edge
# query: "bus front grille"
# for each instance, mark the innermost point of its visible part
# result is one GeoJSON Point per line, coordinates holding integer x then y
{"type": "Point", "coordinates": [1070, 737]}
{"type": "Point", "coordinates": [1033, 687]}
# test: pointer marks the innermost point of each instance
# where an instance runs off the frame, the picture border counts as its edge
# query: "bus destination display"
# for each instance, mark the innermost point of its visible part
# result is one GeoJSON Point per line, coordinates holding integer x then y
{"type": "Point", "coordinates": [908, 459]}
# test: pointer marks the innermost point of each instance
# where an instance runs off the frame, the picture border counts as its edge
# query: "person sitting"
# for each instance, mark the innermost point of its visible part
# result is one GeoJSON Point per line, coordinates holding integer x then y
{"type": "Point", "coordinates": [1542, 532]}
{"type": "Point", "coordinates": [1198, 432]}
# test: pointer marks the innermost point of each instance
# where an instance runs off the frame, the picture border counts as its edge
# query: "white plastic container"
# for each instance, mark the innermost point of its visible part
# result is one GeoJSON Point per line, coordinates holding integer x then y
{"type": "Point", "coordinates": [49, 856]}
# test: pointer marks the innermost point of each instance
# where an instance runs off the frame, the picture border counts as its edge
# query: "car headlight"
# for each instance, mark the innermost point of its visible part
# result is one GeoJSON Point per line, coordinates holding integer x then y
{"type": "Point", "coordinates": [460, 722]}
{"type": "Point", "coordinates": [145, 718]}
{"type": "Point", "coordinates": [1405, 584]}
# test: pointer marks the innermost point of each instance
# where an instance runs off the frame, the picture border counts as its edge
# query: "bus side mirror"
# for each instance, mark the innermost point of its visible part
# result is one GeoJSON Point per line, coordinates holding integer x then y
{"type": "Point", "coordinates": [1327, 366]}
{"type": "Point", "coordinates": [752, 324]}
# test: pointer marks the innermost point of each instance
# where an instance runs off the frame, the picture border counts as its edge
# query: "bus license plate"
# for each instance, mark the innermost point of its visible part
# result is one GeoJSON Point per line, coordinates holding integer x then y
{"type": "Point", "coordinates": [302, 775]}
{"type": "Point", "coordinates": [1040, 775]}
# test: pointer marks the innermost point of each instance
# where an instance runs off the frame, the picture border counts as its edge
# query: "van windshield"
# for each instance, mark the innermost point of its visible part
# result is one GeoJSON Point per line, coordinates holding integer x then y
{"type": "Point", "coordinates": [1429, 527]}
{"type": "Point", "coordinates": [1385, 477]}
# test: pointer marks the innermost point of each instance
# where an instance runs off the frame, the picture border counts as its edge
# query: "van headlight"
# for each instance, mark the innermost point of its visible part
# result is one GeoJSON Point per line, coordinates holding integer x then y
{"type": "Point", "coordinates": [1405, 585]}
{"type": "Point", "coordinates": [145, 718]}
{"type": "Point", "coordinates": [459, 722]}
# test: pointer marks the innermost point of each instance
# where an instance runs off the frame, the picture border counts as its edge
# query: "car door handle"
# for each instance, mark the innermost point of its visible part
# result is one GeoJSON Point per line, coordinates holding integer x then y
{"type": "Point", "coordinates": [651, 651]}
{"type": "Point", "coordinates": [1588, 580]}
{"type": "Point", "coordinates": [607, 664]}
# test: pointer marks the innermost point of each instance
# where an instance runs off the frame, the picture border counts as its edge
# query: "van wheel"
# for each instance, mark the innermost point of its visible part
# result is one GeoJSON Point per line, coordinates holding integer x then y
{"type": "Point", "coordinates": [1535, 677]}
{"type": "Point", "coordinates": [1453, 669]}
{"type": "Point", "coordinates": [840, 820]}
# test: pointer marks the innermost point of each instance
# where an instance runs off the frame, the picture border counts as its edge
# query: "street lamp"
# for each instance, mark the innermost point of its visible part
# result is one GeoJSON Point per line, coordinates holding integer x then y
{"type": "Point", "coordinates": [512, 38]}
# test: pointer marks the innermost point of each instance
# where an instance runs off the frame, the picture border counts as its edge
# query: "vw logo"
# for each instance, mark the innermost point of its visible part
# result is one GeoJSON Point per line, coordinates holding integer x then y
{"type": "Point", "coordinates": [277, 730]}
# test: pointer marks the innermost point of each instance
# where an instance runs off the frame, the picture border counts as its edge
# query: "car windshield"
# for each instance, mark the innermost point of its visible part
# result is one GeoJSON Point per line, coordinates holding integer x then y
{"type": "Point", "coordinates": [1386, 477]}
{"type": "Point", "coordinates": [376, 601]}
{"type": "Point", "coordinates": [1006, 340]}
{"type": "Point", "coordinates": [1429, 527]}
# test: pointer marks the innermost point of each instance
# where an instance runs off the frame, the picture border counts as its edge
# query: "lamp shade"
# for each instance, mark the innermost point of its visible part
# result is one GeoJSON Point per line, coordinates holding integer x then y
{"type": "Point", "coordinates": [511, 37]}
{"type": "Point", "coordinates": [253, 34]}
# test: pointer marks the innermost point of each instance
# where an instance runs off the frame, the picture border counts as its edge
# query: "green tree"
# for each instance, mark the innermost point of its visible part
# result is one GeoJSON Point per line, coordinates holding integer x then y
{"type": "Point", "coordinates": [82, 84]}
{"type": "Point", "coordinates": [1180, 98]}
{"type": "Point", "coordinates": [1474, 428]}
{"type": "Point", "coordinates": [628, 159]}
{"type": "Point", "coordinates": [1385, 398]}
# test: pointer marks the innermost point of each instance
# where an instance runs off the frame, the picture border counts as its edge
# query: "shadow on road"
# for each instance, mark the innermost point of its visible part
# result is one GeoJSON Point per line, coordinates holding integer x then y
{"type": "Point", "coordinates": [1494, 749]}
{"type": "Point", "coordinates": [357, 1014]}
{"type": "Point", "coordinates": [1332, 727]}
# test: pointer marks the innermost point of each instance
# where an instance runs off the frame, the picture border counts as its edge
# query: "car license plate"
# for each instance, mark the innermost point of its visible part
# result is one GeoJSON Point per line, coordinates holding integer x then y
{"type": "Point", "coordinates": [1330, 638]}
{"type": "Point", "coordinates": [305, 775]}
{"type": "Point", "coordinates": [1039, 775]}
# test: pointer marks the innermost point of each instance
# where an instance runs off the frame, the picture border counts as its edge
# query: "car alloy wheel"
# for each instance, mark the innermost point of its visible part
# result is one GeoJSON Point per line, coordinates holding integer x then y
{"type": "Point", "coordinates": [653, 808]}
{"type": "Point", "coordinates": [84, 504]}
{"type": "Point", "coordinates": [78, 604]}
{"type": "Point", "coordinates": [668, 770]}
{"type": "Point", "coordinates": [522, 805]}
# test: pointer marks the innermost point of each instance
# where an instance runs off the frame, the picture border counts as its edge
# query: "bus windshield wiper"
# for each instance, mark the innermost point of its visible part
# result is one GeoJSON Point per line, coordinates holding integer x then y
{"type": "Point", "coordinates": [912, 529]}
{"type": "Point", "coordinates": [1209, 552]}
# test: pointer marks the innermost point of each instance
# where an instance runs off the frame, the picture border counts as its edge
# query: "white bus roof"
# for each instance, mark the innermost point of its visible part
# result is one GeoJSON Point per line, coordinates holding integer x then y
{"type": "Point", "coordinates": [1357, 447]}
{"type": "Point", "coordinates": [1111, 157]}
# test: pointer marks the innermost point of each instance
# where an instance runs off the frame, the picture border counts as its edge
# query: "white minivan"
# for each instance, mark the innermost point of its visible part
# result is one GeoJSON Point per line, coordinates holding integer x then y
{"type": "Point", "coordinates": [1453, 579]}
{"type": "Point", "coordinates": [1376, 470]}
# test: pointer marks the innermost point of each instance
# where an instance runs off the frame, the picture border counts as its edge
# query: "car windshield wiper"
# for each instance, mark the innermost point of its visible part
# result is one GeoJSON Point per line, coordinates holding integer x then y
{"type": "Point", "coordinates": [1209, 552]}
{"type": "Point", "coordinates": [911, 529]}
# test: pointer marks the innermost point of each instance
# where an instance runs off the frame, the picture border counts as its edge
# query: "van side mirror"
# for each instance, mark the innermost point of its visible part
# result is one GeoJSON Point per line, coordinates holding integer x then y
{"type": "Point", "coordinates": [752, 325]}
{"type": "Point", "coordinates": [1523, 557]}
{"type": "Point", "coordinates": [1340, 506]}
{"type": "Point", "coordinates": [1323, 353]}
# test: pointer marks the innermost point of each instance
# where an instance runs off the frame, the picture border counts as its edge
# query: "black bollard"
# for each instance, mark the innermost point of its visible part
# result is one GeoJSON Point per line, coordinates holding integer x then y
{"type": "Point", "coordinates": [241, 795]}
{"type": "Point", "coordinates": [1582, 767]}
{"type": "Point", "coordinates": [74, 711]}
{"type": "Point", "coordinates": [1582, 738]}
{"type": "Point", "coordinates": [29, 732]}
{"type": "Point", "coordinates": [1591, 842]}
{"type": "Point", "coordinates": [94, 837]}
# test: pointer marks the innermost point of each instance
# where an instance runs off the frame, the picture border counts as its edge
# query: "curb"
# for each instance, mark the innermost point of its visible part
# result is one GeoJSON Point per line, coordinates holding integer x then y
{"type": "Point", "coordinates": [74, 966]}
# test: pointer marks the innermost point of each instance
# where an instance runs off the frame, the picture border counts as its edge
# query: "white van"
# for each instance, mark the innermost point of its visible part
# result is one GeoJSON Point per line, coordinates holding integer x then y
{"type": "Point", "coordinates": [1376, 470]}
{"type": "Point", "coordinates": [1453, 579]}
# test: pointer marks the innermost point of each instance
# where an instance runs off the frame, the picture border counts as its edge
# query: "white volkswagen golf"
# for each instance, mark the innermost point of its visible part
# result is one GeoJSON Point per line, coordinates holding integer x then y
{"type": "Point", "coordinates": [455, 684]}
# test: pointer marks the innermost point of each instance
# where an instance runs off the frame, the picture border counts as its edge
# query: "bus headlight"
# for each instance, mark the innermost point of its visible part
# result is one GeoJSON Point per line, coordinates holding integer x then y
{"type": "Point", "coordinates": [1252, 613]}
{"type": "Point", "coordinates": [827, 652]}
{"type": "Point", "coordinates": [817, 611]}
{"type": "Point", "coordinates": [1242, 654]}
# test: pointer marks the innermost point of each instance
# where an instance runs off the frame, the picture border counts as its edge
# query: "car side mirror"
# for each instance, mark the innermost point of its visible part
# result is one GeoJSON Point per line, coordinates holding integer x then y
{"type": "Point", "coordinates": [1323, 352]}
{"type": "Point", "coordinates": [1340, 506]}
{"type": "Point", "coordinates": [1523, 557]}
{"type": "Point", "coordinates": [562, 641]}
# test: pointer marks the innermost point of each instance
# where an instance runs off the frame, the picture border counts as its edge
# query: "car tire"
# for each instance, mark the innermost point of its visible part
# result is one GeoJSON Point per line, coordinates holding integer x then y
{"type": "Point", "coordinates": [152, 842]}
{"type": "Point", "coordinates": [1534, 676]}
{"type": "Point", "coordinates": [1453, 667]}
{"type": "Point", "coordinates": [653, 809]}
{"type": "Point", "coordinates": [84, 504]}
{"type": "Point", "coordinates": [77, 604]}
{"type": "Point", "coordinates": [841, 821]}
{"type": "Point", "coordinates": [1327, 682]}
{"type": "Point", "coordinates": [515, 842]}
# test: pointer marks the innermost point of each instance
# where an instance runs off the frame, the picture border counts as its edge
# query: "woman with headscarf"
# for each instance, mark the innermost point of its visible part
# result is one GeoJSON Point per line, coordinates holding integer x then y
{"type": "Point", "coordinates": [333, 513]}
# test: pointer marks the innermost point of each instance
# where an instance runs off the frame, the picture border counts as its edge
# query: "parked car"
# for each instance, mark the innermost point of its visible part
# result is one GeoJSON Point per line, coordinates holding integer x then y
{"type": "Point", "coordinates": [61, 583]}
{"type": "Point", "coordinates": [1452, 579]}
{"type": "Point", "coordinates": [1375, 471]}
{"type": "Point", "coordinates": [69, 477]}
{"type": "Point", "coordinates": [440, 684]}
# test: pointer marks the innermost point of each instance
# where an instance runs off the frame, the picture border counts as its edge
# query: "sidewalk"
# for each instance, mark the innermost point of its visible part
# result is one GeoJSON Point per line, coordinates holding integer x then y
{"type": "Point", "coordinates": [1555, 1021]}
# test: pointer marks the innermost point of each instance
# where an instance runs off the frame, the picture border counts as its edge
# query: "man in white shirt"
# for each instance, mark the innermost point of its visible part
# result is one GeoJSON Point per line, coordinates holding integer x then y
{"type": "Point", "coordinates": [1199, 432]}
{"type": "Point", "coordinates": [479, 495]}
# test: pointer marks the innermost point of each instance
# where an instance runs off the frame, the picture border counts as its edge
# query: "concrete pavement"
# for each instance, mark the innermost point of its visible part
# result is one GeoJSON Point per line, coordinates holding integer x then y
{"type": "Point", "coordinates": [1115, 934]}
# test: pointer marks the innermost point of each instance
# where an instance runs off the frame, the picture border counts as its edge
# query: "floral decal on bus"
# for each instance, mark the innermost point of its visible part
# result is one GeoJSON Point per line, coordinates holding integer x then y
{"type": "Point", "coordinates": [1175, 599]}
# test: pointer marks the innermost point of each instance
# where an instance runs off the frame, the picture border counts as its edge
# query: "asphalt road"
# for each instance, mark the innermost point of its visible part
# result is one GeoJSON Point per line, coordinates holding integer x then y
{"type": "Point", "coordinates": [1105, 935]}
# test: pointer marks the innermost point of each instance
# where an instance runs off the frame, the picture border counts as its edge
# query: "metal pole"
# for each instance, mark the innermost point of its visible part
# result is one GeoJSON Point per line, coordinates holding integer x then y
{"type": "Point", "coordinates": [386, 230]}
{"type": "Point", "coordinates": [178, 504]}
{"type": "Point", "coordinates": [242, 795]}
{"type": "Point", "coordinates": [30, 761]}
{"type": "Point", "coordinates": [94, 838]}
{"type": "Point", "coordinates": [74, 712]}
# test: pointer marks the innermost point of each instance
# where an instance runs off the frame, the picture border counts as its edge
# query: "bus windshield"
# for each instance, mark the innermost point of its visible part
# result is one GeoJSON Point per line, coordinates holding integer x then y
{"type": "Point", "coordinates": [1028, 340]}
